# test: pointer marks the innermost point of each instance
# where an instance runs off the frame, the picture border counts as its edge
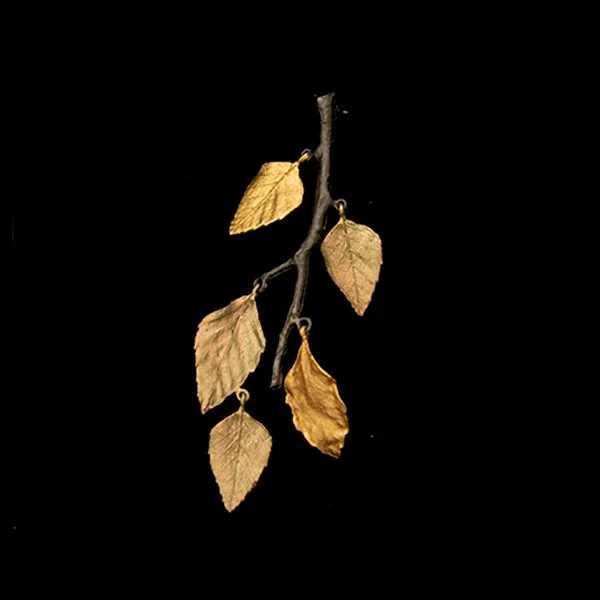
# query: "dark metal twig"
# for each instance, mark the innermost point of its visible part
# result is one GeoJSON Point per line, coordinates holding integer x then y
{"type": "Point", "coordinates": [282, 268]}
{"type": "Point", "coordinates": [301, 258]}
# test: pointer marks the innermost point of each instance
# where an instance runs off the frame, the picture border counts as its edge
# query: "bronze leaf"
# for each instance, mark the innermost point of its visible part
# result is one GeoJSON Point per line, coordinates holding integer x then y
{"type": "Point", "coordinates": [275, 192]}
{"type": "Point", "coordinates": [317, 409]}
{"type": "Point", "coordinates": [239, 449]}
{"type": "Point", "coordinates": [228, 346]}
{"type": "Point", "coordinates": [353, 257]}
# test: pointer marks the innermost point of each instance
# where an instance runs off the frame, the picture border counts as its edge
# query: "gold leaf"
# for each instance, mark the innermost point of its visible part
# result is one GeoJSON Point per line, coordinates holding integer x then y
{"type": "Point", "coordinates": [228, 347]}
{"type": "Point", "coordinates": [353, 257]}
{"type": "Point", "coordinates": [275, 192]}
{"type": "Point", "coordinates": [239, 449]}
{"type": "Point", "coordinates": [317, 409]}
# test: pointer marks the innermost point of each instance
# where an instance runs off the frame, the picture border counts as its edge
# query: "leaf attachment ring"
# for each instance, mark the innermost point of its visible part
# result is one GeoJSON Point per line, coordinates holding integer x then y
{"type": "Point", "coordinates": [340, 206]}
{"type": "Point", "coordinates": [304, 329]}
{"type": "Point", "coordinates": [259, 285]}
{"type": "Point", "coordinates": [242, 395]}
{"type": "Point", "coordinates": [306, 155]}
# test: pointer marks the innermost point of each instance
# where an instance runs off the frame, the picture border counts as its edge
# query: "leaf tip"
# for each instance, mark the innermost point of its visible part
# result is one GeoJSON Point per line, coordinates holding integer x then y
{"type": "Point", "coordinates": [360, 310]}
{"type": "Point", "coordinates": [236, 227]}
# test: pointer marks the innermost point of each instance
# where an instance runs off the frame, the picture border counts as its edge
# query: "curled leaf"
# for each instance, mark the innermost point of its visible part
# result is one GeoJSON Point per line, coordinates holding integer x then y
{"type": "Point", "coordinates": [317, 409]}
{"type": "Point", "coordinates": [275, 192]}
{"type": "Point", "coordinates": [228, 346]}
{"type": "Point", "coordinates": [353, 257]}
{"type": "Point", "coordinates": [239, 449]}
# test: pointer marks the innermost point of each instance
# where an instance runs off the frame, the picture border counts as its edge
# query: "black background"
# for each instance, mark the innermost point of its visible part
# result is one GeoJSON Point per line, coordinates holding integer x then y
{"type": "Point", "coordinates": [132, 170]}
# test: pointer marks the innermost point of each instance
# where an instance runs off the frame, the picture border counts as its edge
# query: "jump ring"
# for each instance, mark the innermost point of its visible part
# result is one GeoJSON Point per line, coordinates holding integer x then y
{"type": "Point", "coordinates": [341, 206]}
{"type": "Point", "coordinates": [261, 283]}
{"type": "Point", "coordinates": [242, 395]}
{"type": "Point", "coordinates": [307, 320]}
{"type": "Point", "coordinates": [306, 155]}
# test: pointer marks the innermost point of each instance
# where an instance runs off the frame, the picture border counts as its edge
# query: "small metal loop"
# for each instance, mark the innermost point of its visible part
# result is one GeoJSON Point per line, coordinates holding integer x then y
{"type": "Point", "coordinates": [298, 322]}
{"type": "Point", "coordinates": [259, 285]}
{"type": "Point", "coordinates": [242, 395]}
{"type": "Point", "coordinates": [306, 155]}
{"type": "Point", "coordinates": [340, 206]}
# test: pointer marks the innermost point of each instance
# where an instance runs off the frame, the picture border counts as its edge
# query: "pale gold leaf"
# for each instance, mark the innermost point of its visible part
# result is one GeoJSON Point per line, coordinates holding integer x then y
{"type": "Point", "coordinates": [228, 347]}
{"type": "Point", "coordinates": [239, 449]}
{"type": "Point", "coordinates": [317, 409]}
{"type": "Point", "coordinates": [272, 194]}
{"type": "Point", "coordinates": [353, 257]}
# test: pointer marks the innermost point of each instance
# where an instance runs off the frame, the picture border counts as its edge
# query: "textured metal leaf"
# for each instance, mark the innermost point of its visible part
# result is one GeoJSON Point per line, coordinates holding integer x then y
{"type": "Point", "coordinates": [272, 194]}
{"type": "Point", "coordinates": [353, 257]}
{"type": "Point", "coordinates": [317, 409]}
{"type": "Point", "coordinates": [239, 449]}
{"type": "Point", "coordinates": [228, 347]}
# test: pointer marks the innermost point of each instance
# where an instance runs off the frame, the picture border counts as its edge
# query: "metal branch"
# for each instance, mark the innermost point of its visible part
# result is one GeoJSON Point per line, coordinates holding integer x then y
{"type": "Point", "coordinates": [265, 277]}
{"type": "Point", "coordinates": [301, 258]}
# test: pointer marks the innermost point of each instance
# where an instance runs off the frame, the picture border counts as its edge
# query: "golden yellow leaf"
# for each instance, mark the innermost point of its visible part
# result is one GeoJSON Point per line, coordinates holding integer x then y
{"type": "Point", "coordinates": [317, 409]}
{"type": "Point", "coordinates": [228, 347]}
{"type": "Point", "coordinates": [275, 192]}
{"type": "Point", "coordinates": [353, 257]}
{"type": "Point", "coordinates": [239, 449]}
